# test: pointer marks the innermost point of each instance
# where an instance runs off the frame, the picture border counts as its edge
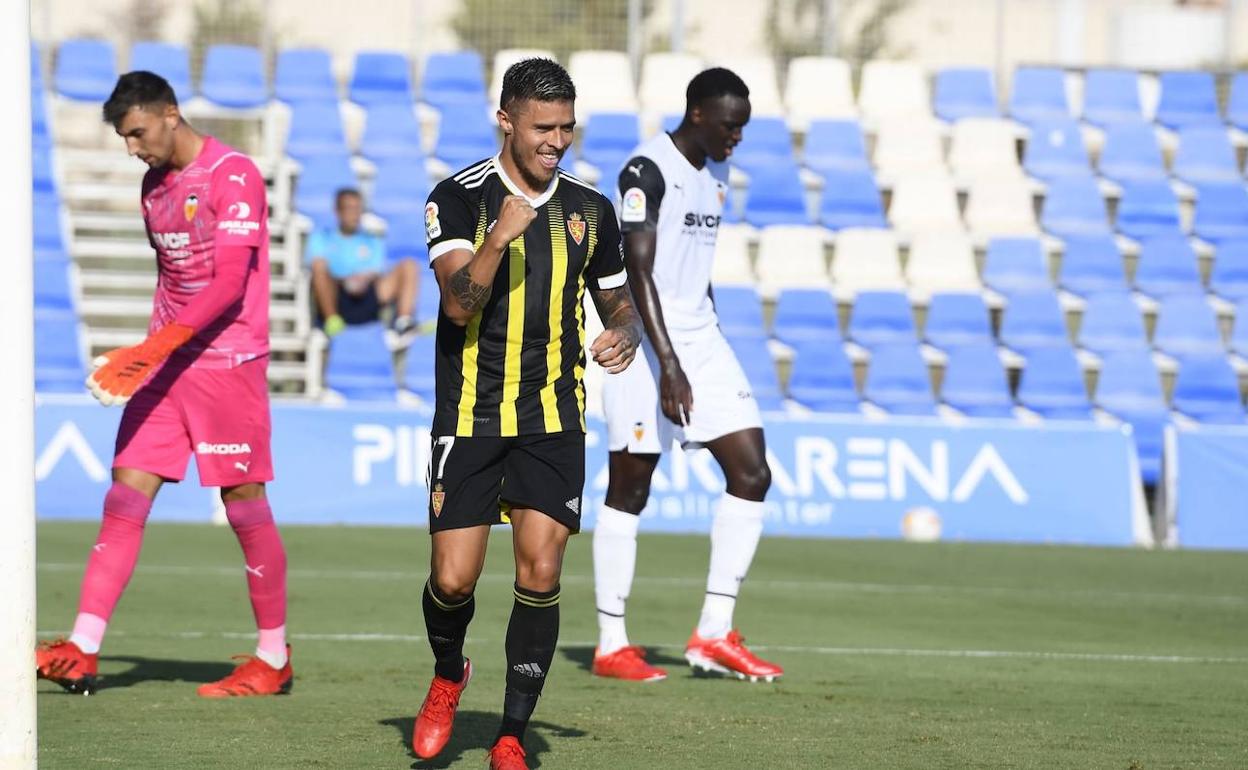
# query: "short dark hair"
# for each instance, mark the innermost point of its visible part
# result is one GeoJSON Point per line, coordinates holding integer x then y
{"type": "Point", "coordinates": [712, 84]}
{"type": "Point", "coordinates": [541, 79]}
{"type": "Point", "coordinates": [137, 89]}
{"type": "Point", "coordinates": [344, 192]}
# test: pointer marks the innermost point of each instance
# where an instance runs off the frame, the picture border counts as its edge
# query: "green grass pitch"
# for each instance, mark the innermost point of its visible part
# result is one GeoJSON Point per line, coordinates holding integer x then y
{"type": "Point", "coordinates": [896, 655]}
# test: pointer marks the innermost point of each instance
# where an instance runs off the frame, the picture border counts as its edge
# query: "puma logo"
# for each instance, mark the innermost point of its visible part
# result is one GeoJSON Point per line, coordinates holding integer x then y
{"type": "Point", "coordinates": [257, 571]}
{"type": "Point", "coordinates": [636, 170]}
{"type": "Point", "coordinates": [240, 178]}
{"type": "Point", "coordinates": [99, 547]}
{"type": "Point", "coordinates": [243, 466]}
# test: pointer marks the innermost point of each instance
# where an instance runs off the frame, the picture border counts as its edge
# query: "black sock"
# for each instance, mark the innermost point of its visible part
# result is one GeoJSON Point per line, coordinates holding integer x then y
{"type": "Point", "coordinates": [446, 623]}
{"type": "Point", "coordinates": [531, 637]}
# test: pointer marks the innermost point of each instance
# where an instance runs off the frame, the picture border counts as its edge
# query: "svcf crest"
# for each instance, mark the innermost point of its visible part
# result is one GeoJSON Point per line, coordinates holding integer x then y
{"type": "Point", "coordinates": [576, 227]}
{"type": "Point", "coordinates": [190, 206]}
{"type": "Point", "coordinates": [639, 430]}
{"type": "Point", "coordinates": [436, 498]}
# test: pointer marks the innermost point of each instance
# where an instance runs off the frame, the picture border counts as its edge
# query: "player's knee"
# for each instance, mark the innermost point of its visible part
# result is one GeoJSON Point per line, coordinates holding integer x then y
{"type": "Point", "coordinates": [751, 483]}
{"type": "Point", "coordinates": [538, 574]}
{"type": "Point", "coordinates": [629, 498]}
{"type": "Point", "coordinates": [453, 586]}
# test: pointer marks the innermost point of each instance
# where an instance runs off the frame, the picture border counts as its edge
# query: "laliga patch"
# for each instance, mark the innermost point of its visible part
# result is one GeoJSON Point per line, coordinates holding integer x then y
{"type": "Point", "coordinates": [190, 206]}
{"type": "Point", "coordinates": [576, 227]}
{"type": "Point", "coordinates": [437, 497]}
{"type": "Point", "coordinates": [433, 227]}
{"type": "Point", "coordinates": [633, 208]}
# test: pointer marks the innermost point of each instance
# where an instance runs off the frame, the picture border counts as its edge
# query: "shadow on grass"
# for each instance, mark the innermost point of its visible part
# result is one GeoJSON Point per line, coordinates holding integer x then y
{"type": "Point", "coordinates": [477, 730]}
{"type": "Point", "coordinates": [159, 670]}
{"type": "Point", "coordinates": [583, 657]}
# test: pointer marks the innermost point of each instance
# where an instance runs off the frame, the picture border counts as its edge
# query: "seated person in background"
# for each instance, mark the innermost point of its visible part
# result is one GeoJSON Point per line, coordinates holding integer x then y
{"type": "Point", "coordinates": [350, 280]}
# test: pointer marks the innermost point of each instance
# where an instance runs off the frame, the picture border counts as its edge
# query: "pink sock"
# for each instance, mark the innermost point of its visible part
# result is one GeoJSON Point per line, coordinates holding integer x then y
{"type": "Point", "coordinates": [265, 559]}
{"type": "Point", "coordinates": [111, 563]}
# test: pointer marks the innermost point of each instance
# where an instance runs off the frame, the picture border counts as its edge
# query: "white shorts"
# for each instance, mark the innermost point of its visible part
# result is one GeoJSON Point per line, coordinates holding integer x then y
{"type": "Point", "coordinates": [723, 401]}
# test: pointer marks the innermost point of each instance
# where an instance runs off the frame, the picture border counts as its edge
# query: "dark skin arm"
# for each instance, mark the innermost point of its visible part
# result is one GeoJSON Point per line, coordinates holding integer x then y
{"type": "Point", "coordinates": [675, 394]}
{"type": "Point", "coordinates": [617, 345]}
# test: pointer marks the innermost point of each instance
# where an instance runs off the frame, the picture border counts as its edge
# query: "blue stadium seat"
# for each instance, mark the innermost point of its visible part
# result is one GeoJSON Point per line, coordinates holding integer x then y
{"type": "Point", "coordinates": [48, 235]}
{"type": "Point", "coordinates": [315, 129]}
{"type": "Point", "coordinates": [1239, 334]}
{"type": "Point", "coordinates": [418, 374]}
{"type": "Point", "coordinates": [1207, 390]}
{"type": "Point", "coordinates": [1167, 265]}
{"type": "Point", "coordinates": [320, 178]}
{"type": "Point", "coordinates": [380, 76]}
{"type": "Point", "coordinates": [304, 74]}
{"type": "Point", "coordinates": [776, 196]}
{"type": "Point", "coordinates": [956, 318]}
{"type": "Point", "coordinates": [671, 122]}
{"type": "Point", "coordinates": [1131, 153]}
{"type": "Point", "coordinates": [851, 199]}
{"type": "Point", "coordinates": [43, 179]}
{"type": "Point", "coordinates": [823, 378]}
{"type": "Point", "coordinates": [1221, 212]}
{"type": "Point", "coordinates": [1187, 326]}
{"type": "Point", "coordinates": [1205, 154]}
{"type": "Point", "coordinates": [1016, 264]}
{"type": "Point", "coordinates": [765, 142]}
{"type": "Point", "coordinates": [52, 292]}
{"type": "Point", "coordinates": [760, 370]}
{"type": "Point", "coordinates": [835, 145]}
{"type": "Point", "coordinates": [608, 140]}
{"type": "Point", "coordinates": [36, 67]}
{"type": "Point", "coordinates": [428, 299]}
{"type": "Point", "coordinates": [1112, 321]}
{"type": "Point", "coordinates": [965, 92]}
{"type": "Point", "coordinates": [1055, 149]}
{"type": "Point", "coordinates": [469, 136]}
{"type": "Point", "coordinates": [392, 133]}
{"type": "Point", "coordinates": [86, 70]}
{"type": "Point", "coordinates": [58, 354]}
{"type": "Point", "coordinates": [360, 365]}
{"type": "Point", "coordinates": [234, 76]}
{"type": "Point", "coordinates": [1038, 93]}
{"type": "Point", "coordinates": [1147, 209]}
{"type": "Point", "coordinates": [806, 315]}
{"type": "Point", "coordinates": [1130, 389]}
{"type": "Point", "coordinates": [1033, 319]}
{"type": "Point", "coordinates": [898, 382]}
{"type": "Point", "coordinates": [454, 77]}
{"type": "Point", "coordinates": [1230, 270]}
{"type": "Point", "coordinates": [1052, 385]}
{"type": "Point", "coordinates": [39, 133]}
{"type": "Point", "coordinates": [169, 60]}
{"type": "Point", "coordinates": [1237, 102]}
{"type": "Point", "coordinates": [405, 239]}
{"type": "Point", "coordinates": [740, 312]}
{"type": "Point", "coordinates": [1187, 98]}
{"type": "Point", "coordinates": [975, 382]}
{"type": "Point", "coordinates": [1074, 206]}
{"type": "Point", "coordinates": [882, 318]}
{"type": "Point", "coordinates": [1111, 96]}
{"type": "Point", "coordinates": [1091, 263]}
{"type": "Point", "coordinates": [400, 189]}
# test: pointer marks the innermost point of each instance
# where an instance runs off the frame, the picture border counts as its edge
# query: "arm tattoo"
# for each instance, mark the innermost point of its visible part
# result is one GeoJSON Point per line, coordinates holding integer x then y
{"type": "Point", "coordinates": [470, 295]}
{"type": "Point", "coordinates": [615, 306]}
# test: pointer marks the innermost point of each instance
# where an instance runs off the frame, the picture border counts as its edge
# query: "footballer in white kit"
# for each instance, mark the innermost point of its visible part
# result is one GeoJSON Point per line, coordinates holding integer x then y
{"type": "Point", "coordinates": [686, 385]}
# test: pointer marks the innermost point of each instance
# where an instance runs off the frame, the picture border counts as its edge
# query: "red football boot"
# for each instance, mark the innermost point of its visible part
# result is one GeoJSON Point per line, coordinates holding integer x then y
{"type": "Point", "coordinates": [507, 754]}
{"type": "Point", "coordinates": [437, 714]}
{"type": "Point", "coordinates": [252, 677]}
{"type": "Point", "coordinates": [65, 663]}
{"type": "Point", "coordinates": [627, 663]}
{"type": "Point", "coordinates": [729, 656]}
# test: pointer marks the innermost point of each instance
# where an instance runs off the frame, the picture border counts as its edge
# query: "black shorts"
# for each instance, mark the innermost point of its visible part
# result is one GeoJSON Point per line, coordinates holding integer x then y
{"type": "Point", "coordinates": [359, 308]}
{"type": "Point", "coordinates": [475, 480]}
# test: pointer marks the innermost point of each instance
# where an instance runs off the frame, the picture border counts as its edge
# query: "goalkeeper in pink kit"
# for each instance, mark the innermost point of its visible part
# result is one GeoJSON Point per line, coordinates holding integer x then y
{"type": "Point", "coordinates": [196, 386]}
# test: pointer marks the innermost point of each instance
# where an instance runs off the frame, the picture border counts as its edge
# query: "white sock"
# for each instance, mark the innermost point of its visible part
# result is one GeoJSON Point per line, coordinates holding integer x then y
{"type": "Point", "coordinates": [276, 660]}
{"type": "Point", "coordinates": [734, 538]}
{"type": "Point", "coordinates": [615, 558]}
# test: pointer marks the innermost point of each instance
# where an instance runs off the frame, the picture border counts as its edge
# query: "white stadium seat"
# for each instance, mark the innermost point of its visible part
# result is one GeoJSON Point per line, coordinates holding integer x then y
{"type": "Point", "coordinates": [1001, 207]}
{"type": "Point", "coordinates": [732, 257]}
{"type": "Point", "coordinates": [759, 74]}
{"type": "Point", "coordinates": [792, 256]}
{"type": "Point", "coordinates": [909, 146]}
{"type": "Point", "coordinates": [925, 204]}
{"type": "Point", "coordinates": [866, 259]}
{"type": "Point", "coordinates": [606, 78]}
{"type": "Point", "coordinates": [818, 87]}
{"type": "Point", "coordinates": [893, 89]}
{"type": "Point", "coordinates": [504, 59]}
{"type": "Point", "coordinates": [984, 148]}
{"type": "Point", "coordinates": [941, 262]}
{"type": "Point", "coordinates": [663, 80]}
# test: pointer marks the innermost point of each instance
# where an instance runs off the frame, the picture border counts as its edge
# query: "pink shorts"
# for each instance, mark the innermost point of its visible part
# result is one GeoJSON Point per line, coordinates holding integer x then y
{"type": "Point", "coordinates": [219, 415]}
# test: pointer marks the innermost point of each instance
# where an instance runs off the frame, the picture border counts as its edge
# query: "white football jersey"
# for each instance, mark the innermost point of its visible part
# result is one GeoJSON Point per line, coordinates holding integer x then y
{"type": "Point", "coordinates": [659, 190]}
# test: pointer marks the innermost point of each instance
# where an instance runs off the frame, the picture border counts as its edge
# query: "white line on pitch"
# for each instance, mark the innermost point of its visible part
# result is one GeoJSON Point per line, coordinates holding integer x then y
{"type": "Point", "coordinates": [892, 652]}
{"type": "Point", "coordinates": [780, 585]}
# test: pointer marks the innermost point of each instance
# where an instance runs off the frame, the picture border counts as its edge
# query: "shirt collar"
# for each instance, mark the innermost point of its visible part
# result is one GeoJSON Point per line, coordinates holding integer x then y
{"type": "Point", "coordinates": [515, 189]}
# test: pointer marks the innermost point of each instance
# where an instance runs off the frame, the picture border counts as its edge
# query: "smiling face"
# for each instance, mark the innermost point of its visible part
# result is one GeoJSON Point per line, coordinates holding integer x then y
{"type": "Point", "coordinates": [717, 124]}
{"type": "Point", "coordinates": [536, 135]}
{"type": "Point", "coordinates": [149, 133]}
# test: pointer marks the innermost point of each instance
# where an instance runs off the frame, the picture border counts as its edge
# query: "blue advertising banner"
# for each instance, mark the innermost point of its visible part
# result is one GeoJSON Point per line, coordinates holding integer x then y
{"type": "Point", "coordinates": [1206, 472]}
{"type": "Point", "coordinates": [991, 480]}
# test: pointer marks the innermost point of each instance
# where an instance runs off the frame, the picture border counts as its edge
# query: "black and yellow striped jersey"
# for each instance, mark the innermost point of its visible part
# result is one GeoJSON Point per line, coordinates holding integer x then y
{"type": "Point", "coordinates": [517, 367]}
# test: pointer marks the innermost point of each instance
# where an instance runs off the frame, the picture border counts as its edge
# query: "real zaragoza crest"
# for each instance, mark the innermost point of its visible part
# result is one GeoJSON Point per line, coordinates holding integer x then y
{"type": "Point", "coordinates": [576, 227]}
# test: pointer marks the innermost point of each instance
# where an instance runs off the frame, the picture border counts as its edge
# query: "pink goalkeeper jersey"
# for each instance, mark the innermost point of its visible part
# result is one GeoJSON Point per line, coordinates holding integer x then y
{"type": "Point", "coordinates": [217, 200]}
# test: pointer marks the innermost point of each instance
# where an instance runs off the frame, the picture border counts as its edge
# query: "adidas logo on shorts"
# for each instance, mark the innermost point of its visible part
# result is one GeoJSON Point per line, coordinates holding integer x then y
{"type": "Point", "coordinates": [574, 505]}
